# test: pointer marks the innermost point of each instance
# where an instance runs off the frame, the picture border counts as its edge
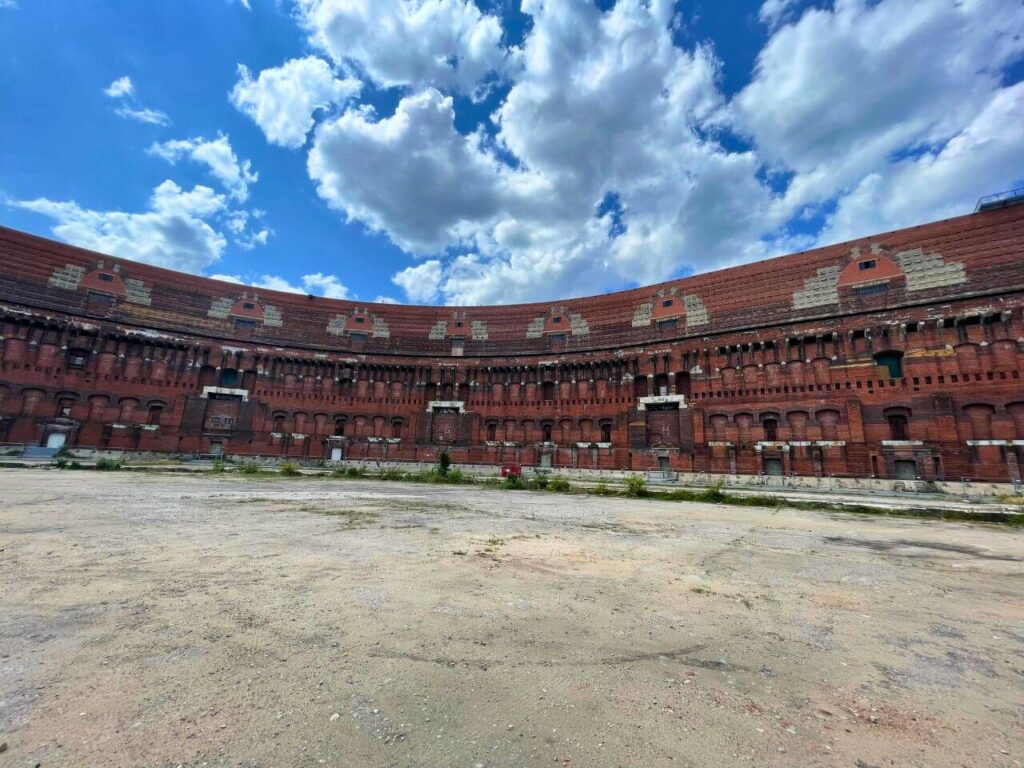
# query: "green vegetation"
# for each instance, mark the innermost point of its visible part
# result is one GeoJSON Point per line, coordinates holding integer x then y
{"type": "Point", "coordinates": [219, 467]}
{"type": "Point", "coordinates": [290, 469]}
{"type": "Point", "coordinates": [636, 486]}
{"type": "Point", "coordinates": [108, 465]}
{"type": "Point", "coordinates": [444, 463]}
{"type": "Point", "coordinates": [250, 468]}
{"type": "Point", "coordinates": [559, 484]}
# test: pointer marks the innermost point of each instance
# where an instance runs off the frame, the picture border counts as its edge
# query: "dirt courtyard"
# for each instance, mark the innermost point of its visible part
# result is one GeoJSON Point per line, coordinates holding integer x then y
{"type": "Point", "coordinates": [168, 620]}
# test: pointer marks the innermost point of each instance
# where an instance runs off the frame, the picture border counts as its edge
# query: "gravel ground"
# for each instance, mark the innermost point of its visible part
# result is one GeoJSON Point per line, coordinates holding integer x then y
{"type": "Point", "coordinates": [156, 620]}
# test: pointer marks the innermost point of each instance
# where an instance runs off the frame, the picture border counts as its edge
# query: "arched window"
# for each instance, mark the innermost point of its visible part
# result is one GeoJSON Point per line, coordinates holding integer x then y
{"type": "Point", "coordinates": [897, 426]}
{"type": "Point", "coordinates": [771, 429]}
{"type": "Point", "coordinates": [548, 390]}
{"type": "Point", "coordinates": [606, 433]}
{"type": "Point", "coordinates": [156, 410]}
{"type": "Point", "coordinates": [492, 431]}
{"type": "Point", "coordinates": [546, 430]}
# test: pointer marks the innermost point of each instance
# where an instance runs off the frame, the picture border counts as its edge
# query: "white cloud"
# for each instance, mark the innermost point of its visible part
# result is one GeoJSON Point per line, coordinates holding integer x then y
{"type": "Point", "coordinates": [421, 283]}
{"type": "Point", "coordinates": [410, 175]}
{"type": "Point", "coordinates": [218, 156]}
{"type": "Point", "coordinates": [937, 184]}
{"type": "Point", "coordinates": [441, 43]}
{"type": "Point", "coordinates": [282, 101]}
{"type": "Point", "coordinates": [143, 115]}
{"type": "Point", "coordinates": [120, 87]}
{"type": "Point", "coordinates": [385, 300]}
{"type": "Point", "coordinates": [175, 232]}
{"type": "Point", "coordinates": [841, 90]}
{"type": "Point", "coordinates": [605, 165]}
{"type": "Point", "coordinates": [316, 284]}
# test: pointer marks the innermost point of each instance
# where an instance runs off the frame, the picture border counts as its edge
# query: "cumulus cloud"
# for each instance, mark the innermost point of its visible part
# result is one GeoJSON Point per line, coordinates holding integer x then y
{"type": "Point", "coordinates": [411, 175]}
{"type": "Point", "coordinates": [440, 43]}
{"type": "Point", "coordinates": [176, 232]}
{"type": "Point", "coordinates": [611, 160]}
{"type": "Point", "coordinates": [283, 100]}
{"type": "Point", "coordinates": [421, 283]}
{"type": "Point", "coordinates": [316, 284]}
{"type": "Point", "coordinates": [219, 158]}
{"type": "Point", "coordinates": [937, 184]}
{"type": "Point", "coordinates": [838, 92]}
{"type": "Point", "coordinates": [120, 87]}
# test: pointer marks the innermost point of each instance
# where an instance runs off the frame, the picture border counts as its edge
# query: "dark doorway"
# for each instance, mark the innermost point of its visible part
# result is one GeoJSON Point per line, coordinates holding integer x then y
{"type": "Point", "coordinates": [773, 467]}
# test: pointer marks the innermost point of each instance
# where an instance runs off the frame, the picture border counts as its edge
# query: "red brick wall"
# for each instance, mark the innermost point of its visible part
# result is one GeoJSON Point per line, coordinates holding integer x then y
{"type": "Point", "coordinates": [757, 355]}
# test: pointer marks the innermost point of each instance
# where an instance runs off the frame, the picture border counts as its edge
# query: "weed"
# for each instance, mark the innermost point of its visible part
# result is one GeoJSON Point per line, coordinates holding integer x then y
{"type": "Point", "coordinates": [290, 469]}
{"type": "Point", "coordinates": [219, 467]}
{"type": "Point", "coordinates": [444, 463]}
{"type": "Point", "coordinates": [250, 468]}
{"type": "Point", "coordinates": [559, 484]}
{"type": "Point", "coordinates": [540, 482]}
{"type": "Point", "coordinates": [636, 486]}
{"type": "Point", "coordinates": [108, 465]}
{"type": "Point", "coordinates": [602, 489]}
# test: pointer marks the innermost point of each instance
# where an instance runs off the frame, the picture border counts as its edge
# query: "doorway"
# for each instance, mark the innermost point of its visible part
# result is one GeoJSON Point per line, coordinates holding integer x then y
{"type": "Point", "coordinates": [663, 464]}
{"type": "Point", "coordinates": [773, 467]}
{"type": "Point", "coordinates": [906, 470]}
{"type": "Point", "coordinates": [337, 454]}
{"type": "Point", "coordinates": [56, 440]}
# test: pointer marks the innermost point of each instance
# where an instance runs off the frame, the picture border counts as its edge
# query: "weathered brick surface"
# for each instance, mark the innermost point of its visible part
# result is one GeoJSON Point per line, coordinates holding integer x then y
{"type": "Point", "coordinates": [896, 353]}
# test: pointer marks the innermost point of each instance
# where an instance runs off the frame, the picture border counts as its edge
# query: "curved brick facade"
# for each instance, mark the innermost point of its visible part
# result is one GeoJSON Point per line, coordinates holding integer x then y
{"type": "Point", "coordinates": [897, 355]}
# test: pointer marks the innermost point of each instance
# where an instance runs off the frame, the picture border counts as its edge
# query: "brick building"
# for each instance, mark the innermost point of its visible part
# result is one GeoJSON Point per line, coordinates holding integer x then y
{"type": "Point", "coordinates": [898, 355]}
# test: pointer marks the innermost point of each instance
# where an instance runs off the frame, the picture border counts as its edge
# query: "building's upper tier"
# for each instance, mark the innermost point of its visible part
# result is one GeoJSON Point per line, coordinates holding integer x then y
{"type": "Point", "coordinates": [975, 255]}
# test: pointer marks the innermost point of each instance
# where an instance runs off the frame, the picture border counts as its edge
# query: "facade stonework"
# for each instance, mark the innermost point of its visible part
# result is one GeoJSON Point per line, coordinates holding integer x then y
{"type": "Point", "coordinates": [898, 355]}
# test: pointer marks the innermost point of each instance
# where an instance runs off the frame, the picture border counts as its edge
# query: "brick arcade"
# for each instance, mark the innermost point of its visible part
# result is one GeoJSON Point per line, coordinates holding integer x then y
{"type": "Point", "coordinates": [898, 355]}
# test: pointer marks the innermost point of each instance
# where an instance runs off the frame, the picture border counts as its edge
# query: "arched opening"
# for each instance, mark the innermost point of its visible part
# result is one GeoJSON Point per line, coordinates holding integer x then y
{"type": "Point", "coordinates": [606, 433]}
{"type": "Point", "coordinates": [898, 426]}
{"type": "Point", "coordinates": [229, 378]}
{"type": "Point", "coordinates": [546, 433]}
{"type": "Point", "coordinates": [492, 432]}
{"type": "Point", "coordinates": [548, 391]}
{"type": "Point", "coordinates": [771, 429]}
{"type": "Point", "coordinates": [156, 411]}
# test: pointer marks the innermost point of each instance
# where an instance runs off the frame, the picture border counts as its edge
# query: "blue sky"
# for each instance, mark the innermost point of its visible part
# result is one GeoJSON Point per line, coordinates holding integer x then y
{"type": "Point", "coordinates": [465, 152]}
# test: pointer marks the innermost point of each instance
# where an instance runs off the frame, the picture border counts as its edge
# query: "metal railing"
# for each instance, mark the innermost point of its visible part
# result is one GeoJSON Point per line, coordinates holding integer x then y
{"type": "Point", "coordinates": [999, 199]}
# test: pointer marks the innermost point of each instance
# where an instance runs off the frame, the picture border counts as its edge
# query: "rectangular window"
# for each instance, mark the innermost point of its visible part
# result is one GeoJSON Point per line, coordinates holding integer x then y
{"type": "Point", "coordinates": [249, 305]}
{"type": "Point", "coordinates": [556, 319]}
{"type": "Point", "coordinates": [105, 278]}
{"type": "Point", "coordinates": [667, 303]}
{"type": "Point", "coordinates": [871, 290]}
{"type": "Point", "coordinates": [243, 322]}
{"type": "Point", "coordinates": [869, 264]}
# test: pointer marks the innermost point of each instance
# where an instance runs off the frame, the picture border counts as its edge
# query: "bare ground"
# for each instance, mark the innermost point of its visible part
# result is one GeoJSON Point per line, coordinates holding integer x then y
{"type": "Point", "coordinates": [153, 620]}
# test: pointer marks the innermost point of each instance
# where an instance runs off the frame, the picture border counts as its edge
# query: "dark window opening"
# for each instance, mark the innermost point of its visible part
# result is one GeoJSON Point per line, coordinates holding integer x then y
{"type": "Point", "coordinates": [548, 390]}
{"type": "Point", "coordinates": [155, 412]}
{"type": "Point", "coordinates": [244, 322]}
{"type": "Point", "coordinates": [868, 264]}
{"type": "Point", "coordinates": [606, 433]}
{"type": "Point", "coordinates": [898, 427]}
{"type": "Point", "coordinates": [492, 431]}
{"type": "Point", "coordinates": [360, 320]}
{"type": "Point", "coordinates": [104, 277]}
{"type": "Point", "coordinates": [667, 303]}
{"type": "Point", "coordinates": [357, 336]}
{"type": "Point", "coordinates": [871, 290]}
{"type": "Point", "coordinates": [396, 429]}
{"type": "Point", "coordinates": [278, 424]}
{"type": "Point", "coordinates": [892, 362]}
{"type": "Point", "coordinates": [771, 430]}
{"type": "Point", "coordinates": [668, 325]}
{"type": "Point", "coordinates": [249, 305]}
{"type": "Point", "coordinates": [547, 433]}
{"type": "Point", "coordinates": [557, 319]}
